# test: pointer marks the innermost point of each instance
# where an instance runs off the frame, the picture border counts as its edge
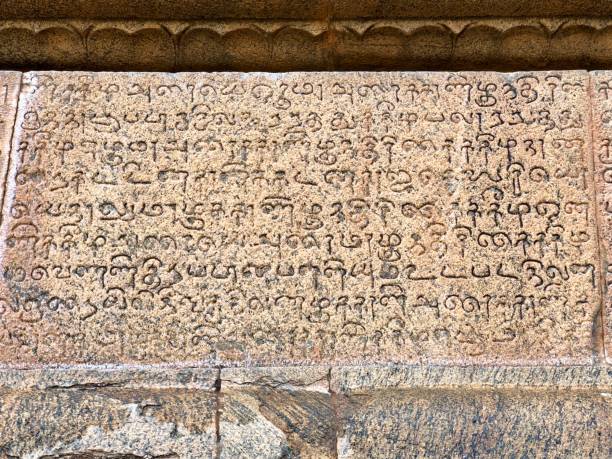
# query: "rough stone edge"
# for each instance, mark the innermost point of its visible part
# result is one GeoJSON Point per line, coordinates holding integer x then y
{"type": "Point", "coordinates": [128, 377]}
{"type": "Point", "coordinates": [336, 379]}
{"type": "Point", "coordinates": [604, 340]}
{"type": "Point", "coordinates": [7, 131]}
{"type": "Point", "coordinates": [314, 378]}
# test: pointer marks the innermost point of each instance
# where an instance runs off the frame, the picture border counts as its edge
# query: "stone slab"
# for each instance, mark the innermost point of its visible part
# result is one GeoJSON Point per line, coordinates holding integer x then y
{"type": "Point", "coordinates": [601, 94]}
{"type": "Point", "coordinates": [364, 379]}
{"type": "Point", "coordinates": [276, 412]}
{"type": "Point", "coordinates": [481, 423]}
{"type": "Point", "coordinates": [304, 218]}
{"type": "Point", "coordinates": [108, 423]}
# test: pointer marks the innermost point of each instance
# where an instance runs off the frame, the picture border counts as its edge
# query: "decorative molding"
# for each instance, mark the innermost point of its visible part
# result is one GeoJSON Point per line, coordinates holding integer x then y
{"type": "Point", "coordinates": [291, 45]}
{"type": "Point", "coordinates": [498, 44]}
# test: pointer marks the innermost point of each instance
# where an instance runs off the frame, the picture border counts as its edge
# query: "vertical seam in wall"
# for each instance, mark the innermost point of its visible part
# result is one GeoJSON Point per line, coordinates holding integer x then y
{"type": "Point", "coordinates": [598, 335]}
{"type": "Point", "coordinates": [218, 446]}
{"type": "Point", "coordinates": [173, 40]}
{"type": "Point", "coordinates": [9, 152]}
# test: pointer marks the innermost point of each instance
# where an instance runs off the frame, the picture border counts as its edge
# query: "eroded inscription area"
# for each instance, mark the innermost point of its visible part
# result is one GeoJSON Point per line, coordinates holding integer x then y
{"type": "Point", "coordinates": [304, 217]}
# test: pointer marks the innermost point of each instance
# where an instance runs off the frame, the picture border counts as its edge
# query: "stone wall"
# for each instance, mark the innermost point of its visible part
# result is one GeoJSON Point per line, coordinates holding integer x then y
{"type": "Point", "coordinates": [378, 264]}
{"type": "Point", "coordinates": [313, 412]}
{"type": "Point", "coordinates": [388, 249]}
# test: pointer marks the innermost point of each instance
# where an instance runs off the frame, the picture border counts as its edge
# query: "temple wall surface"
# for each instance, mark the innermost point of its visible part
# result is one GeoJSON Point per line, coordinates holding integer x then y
{"type": "Point", "coordinates": [298, 229]}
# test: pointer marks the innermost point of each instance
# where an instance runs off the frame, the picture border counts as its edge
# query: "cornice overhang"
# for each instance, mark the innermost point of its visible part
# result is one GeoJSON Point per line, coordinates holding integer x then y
{"type": "Point", "coordinates": [278, 35]}
{"type": "Point", "coordinates": [298, 9]}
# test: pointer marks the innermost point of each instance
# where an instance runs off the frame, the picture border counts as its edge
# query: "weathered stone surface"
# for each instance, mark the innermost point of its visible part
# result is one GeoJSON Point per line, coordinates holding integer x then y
{"type": "Point", "coordinates": [109, 423]}
{"type": "Point", "coordinates": [478, 423]}
{"type": "Point", "coordinates": [276, 412]}
{"type": "Point", "coordinates": [290, 412]}
{"type": "Point", "coordinates": [601, 94]}
{"type": "Point", "coordinates": [297, 218]}
{"type": "Point", "coordinates": [449, 411]}
{"type": "Point", "coordinates": [108, 413]}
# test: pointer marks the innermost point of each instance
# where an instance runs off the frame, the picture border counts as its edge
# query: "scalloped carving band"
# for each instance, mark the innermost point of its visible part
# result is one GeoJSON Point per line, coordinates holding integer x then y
{"type": "Point", "coordinates": [499, 44]}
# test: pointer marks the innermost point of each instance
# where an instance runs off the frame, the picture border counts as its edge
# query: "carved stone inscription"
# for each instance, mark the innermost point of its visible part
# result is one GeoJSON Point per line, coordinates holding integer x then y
{"type": "Point", "coordinates": [294, 218]}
